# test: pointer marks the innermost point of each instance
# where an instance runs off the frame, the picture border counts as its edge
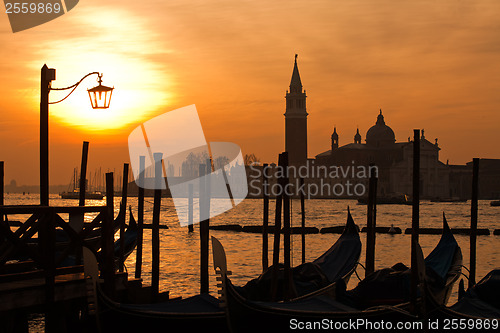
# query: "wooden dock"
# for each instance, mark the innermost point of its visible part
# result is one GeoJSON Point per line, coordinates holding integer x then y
{"type": "Point", "coordinates": [34, 272]}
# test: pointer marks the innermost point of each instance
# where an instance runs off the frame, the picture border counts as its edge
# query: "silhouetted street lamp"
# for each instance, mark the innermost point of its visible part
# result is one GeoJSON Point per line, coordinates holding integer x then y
{"type": "Point", "coordinates": [100, 97]}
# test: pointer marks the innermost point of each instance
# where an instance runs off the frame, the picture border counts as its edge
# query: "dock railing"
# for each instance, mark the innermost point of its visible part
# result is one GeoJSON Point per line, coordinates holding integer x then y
{"type": "Point", "coordinates": [58, 247]}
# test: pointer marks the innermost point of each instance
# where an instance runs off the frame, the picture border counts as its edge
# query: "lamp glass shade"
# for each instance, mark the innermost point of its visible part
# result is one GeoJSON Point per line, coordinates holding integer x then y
{"type": "Point", "coordinates": [100, 96]}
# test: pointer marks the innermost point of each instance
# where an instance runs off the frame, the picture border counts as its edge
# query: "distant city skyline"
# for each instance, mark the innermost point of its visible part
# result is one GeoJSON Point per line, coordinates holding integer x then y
{"type": "Point", "coordinates": [427, 65]}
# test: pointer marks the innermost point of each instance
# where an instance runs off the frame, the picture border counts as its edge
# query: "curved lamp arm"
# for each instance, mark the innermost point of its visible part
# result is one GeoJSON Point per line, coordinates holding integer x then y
{"type": "Point", "coordinates": [74, 86]}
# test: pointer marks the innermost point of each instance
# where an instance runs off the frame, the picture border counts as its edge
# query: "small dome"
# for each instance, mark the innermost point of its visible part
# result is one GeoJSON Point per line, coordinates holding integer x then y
{"type": "Point", "coordinates": [380, 134]}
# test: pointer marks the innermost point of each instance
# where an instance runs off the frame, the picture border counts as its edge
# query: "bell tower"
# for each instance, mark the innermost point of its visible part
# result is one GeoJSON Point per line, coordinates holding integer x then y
{"type": "Point", "coordinates": [335, 139]}
{"type": "Point", "coordinates": [357, 137]}
{"type": "Point", "coordinates": [296, 120]}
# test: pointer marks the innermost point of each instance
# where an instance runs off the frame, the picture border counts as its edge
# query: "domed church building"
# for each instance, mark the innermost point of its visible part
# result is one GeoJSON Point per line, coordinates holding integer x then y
{"type": "Point", "coordinates": [393, 159]}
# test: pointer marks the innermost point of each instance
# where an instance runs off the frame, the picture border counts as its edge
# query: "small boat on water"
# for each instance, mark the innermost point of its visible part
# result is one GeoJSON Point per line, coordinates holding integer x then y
{"type": "Point", "coordinates": [480, 302]}
{"type": "Point", "coordinates": [389, 286]}
{"type": "Point", "coordinates": [75, 192]}
{"type": "Point", "coordinates": [495, 203]}
{"type": "Point", "coordinates": [337, 263]}
{"type": "Point", "coordinates": [392, 200]}
{"type": "Point", "coordinates": [199, 313]}
{"type": "Point", "coordinates": [307, 314]}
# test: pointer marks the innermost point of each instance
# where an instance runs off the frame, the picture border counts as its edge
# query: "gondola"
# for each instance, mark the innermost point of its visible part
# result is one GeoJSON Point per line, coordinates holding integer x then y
{"type": "Point", "coordinates": [129, 239]}
{"type": "Point", "coordinates": [313, 313]}
{"type": "Point", "coordinates": [200, 313]}
{"type": "Point", "coordinates": [390, 286]}
{"type": "Point", "coordinates": [338, 263]}
{"type": "Point", "coordinates": [481, 301]}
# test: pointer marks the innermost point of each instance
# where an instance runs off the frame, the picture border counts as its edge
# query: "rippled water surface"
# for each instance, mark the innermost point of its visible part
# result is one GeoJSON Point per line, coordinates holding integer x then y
{"type": "Point", "coordinates": [180, 250]}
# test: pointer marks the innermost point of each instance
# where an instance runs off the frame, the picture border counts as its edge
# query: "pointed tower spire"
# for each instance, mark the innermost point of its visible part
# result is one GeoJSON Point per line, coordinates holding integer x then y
{"type": "Point", "coordinates": [295, 82]}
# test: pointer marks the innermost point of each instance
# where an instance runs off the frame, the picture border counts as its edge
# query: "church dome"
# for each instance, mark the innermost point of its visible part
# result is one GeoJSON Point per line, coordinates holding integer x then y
{"type": "Point", "coordinates": [380, 134]}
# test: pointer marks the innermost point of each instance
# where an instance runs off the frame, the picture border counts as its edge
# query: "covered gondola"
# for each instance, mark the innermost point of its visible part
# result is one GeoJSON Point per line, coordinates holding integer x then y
{"type": "Point", "coordinates": [200, 313]}
{"type": "Point", "coordinates": [390, 286]}
{"type": "Point", "coordinates": [337, 263]}
{"type": "Point", "coordinates": [481, 301]}
{"type": "Point", "coordinates": [320, 312]}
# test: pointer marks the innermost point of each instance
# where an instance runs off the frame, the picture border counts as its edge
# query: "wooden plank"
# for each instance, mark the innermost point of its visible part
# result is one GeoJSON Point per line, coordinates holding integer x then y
{"type": "Point", "coordinates": [386, 230]}
{"type": "Point", "coordinates": [32, 273]}
{"type": "Point", "coordinates": [226, 227]}
{"type": "Point", "coordinates": [455, 231]}
{"type": "Point", "coordinates": [31, 293]}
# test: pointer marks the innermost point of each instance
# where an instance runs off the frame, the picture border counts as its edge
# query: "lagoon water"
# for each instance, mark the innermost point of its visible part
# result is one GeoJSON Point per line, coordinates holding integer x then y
{"type": "Point", "coordinates": [179, 267]}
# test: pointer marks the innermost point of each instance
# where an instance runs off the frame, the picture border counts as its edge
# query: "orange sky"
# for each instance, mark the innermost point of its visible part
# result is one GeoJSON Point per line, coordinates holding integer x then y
{"type": "Point", "coordinates": [427, 64]}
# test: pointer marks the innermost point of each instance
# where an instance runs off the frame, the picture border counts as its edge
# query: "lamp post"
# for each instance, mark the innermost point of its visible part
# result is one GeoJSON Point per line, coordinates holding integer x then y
{"type": "Point", "coordinates": [100, 98]}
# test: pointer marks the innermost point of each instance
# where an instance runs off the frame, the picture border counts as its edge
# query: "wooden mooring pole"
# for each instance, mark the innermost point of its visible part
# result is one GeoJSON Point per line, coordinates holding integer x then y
{"type": "Point", "coordinates": [473, 221]}
{"type": "Point", "coordinates": [265, 217]}
{"type": "Point", "coordinates": [415, 223]}
{"type": "Point", "coordinates": [288, 288]}
{"type": "Point", "coordinates": [204, 208]}
{"type": "Point", "coordinates": [122, 226]}
{"type": "Point", "coordinates": [155, 229]}
{"type": "Point", "coordinates": [371, 222]}
{"type": "Point", "coordinates": [303, 220]}
{"type": "Point", "coordinates": [47, 239]}
{"type": "Point", "coordinates": [140, 217]}
{"type": "Point", "coordinates": [190, 208]}
{"type": "Point", "coordinates": [277, 232]}
{"type": "Point", "coordinates": [2, 183]}
{"type": "Point", "coordinates": [46, 75]}
{"type": "Point", "coordinates": [83, 173]}
{"type": "Point", "coordinates": [108, 269]}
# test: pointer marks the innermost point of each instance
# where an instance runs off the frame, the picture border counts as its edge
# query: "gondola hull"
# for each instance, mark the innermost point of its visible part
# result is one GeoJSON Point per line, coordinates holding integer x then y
{"type": "Point", "coordinates": [115, 317]}
{"type": "Point", "coordinates": [251, 316]}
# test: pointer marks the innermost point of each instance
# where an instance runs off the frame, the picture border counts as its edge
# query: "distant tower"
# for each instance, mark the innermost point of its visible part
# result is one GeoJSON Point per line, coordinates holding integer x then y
{"type": "Point", "coordinates": [357, 137]}
{"type": "Point", "coordinates": [296, 120]}
{"type": "Point", "coordinates": [335, 139]}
